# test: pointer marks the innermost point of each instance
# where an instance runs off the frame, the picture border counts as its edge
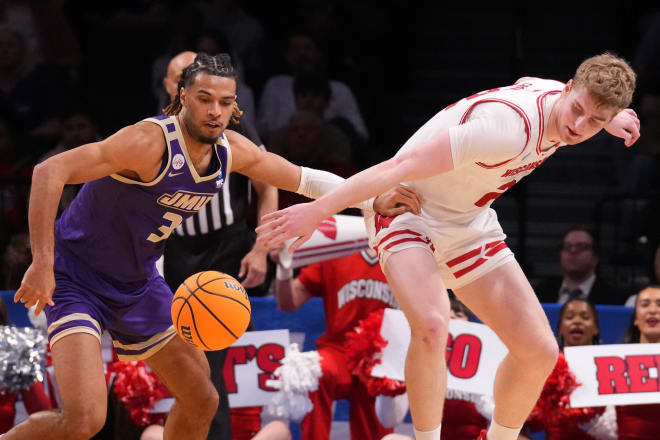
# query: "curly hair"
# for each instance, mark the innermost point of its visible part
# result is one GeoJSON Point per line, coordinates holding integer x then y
{"type": "Point", "coordinates": [609, 80]}
{"type": "Point", "coordinates": [218, 65]}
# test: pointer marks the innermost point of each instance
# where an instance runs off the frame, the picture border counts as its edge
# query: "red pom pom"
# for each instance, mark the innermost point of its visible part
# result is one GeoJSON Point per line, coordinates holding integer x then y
{"type": "Point", "coordinates": [363, 351]}
{"type": "Point", "coordinates": [138, 389]}
{"type": "Point", "coordinates": [553, 407]}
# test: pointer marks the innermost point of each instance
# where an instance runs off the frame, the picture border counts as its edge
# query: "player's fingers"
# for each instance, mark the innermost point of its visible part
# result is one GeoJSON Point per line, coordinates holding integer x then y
{"type": "Point", "coordinates": [411, 193]}
{"type": "Point", "coordinates": [25, 297]}
{"type": "Point", "coordinates": [265, 238]}
{"type": "Point", "coordinates": [273, 215]}
{"type": "Point", "coordinates": [273, 224]}
{"type": "Point", "coordinates": [30, 303]}
{"type": "Point", "coordinates": [265, 227]}
{"type": "Point", "coordinates": [411, 202]}
{"type": "Point", "coordinates": [254, 277]}
{"type": "Point", "coordinates": [633, 138]}
{"type": "Point", "coordinates": [40, 307]}
{"type": "Point", "coordinates": [249, 279]}
{"type": "Point", "coordinates": [259, 278]}
{"type": "Point", "coordinates": [275, 238]}
{"type": "Point", "coordinates": [19, 293]}
{"type": "Point", "coordinates": [296, 244]}
{"type": "Point", "coordinates": [397, 211]}
{"type": "Point", "coordinates": [241, 271]}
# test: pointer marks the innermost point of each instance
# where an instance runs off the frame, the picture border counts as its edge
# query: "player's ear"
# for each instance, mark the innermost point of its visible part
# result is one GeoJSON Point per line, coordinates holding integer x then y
{"type": "Point", "coordinates": [568, 86]}
{"type": "Point", "coordinates": [182, 95]}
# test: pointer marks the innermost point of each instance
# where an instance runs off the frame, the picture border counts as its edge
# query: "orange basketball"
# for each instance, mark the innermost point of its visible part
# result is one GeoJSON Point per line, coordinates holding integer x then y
{"type": "Point", "coordinates": [210, 310]}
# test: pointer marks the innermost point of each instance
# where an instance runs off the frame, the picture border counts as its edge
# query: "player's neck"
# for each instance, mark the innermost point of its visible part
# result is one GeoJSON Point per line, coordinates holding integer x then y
{"type": "Point", "coordinates": [194, 146]}
{"type": "Point", "coordinates": [552, 128]}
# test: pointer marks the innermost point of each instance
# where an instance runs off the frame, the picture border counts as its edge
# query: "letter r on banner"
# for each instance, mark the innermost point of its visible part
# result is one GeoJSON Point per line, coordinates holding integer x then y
{"type": "Point", "coordinates": [610, 373]}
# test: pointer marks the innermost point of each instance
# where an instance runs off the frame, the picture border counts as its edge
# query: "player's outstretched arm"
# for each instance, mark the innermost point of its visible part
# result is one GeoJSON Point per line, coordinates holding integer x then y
{"type": "Point", "coordinates": [625, 125]}
{"type": "Point", "coordinates": [262, 166]}
{"type": "Point", "coordinates": [431, 158]}
{"type": "Point", "coordinates": [137, 150]}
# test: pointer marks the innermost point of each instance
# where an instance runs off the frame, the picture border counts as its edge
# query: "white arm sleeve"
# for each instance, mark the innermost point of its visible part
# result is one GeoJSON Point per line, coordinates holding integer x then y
{"type": "Point", "coordinates": [314, 183]}
{"type": "Point", "coordinates": [493, 133]}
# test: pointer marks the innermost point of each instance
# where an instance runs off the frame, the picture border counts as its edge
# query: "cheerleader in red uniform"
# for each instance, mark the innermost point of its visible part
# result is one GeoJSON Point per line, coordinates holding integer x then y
{"type": "Point", "coordinates": [351, 287]}
{"type": "Point", "coordinates": [642, 422]}
{"type": "Point", "coordinates": [578, 325]}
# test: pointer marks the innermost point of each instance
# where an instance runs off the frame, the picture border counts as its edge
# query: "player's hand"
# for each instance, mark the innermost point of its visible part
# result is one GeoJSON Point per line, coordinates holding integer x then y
{"type": "Point", "coordinates": [274, 253]}
{"type": "Point", "coordinates": [37, 287]}
{"type": "Point", "coordinates": [625, 125]}
{"type": "Point", "coordinates": [254, 266]}
{"type": "Point", "coordinates": [295, 221]}
{"type": "Point", "coordinates": [397, 201]}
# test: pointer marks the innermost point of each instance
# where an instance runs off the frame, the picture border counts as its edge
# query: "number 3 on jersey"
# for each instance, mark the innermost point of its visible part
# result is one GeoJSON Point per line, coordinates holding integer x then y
{"type": "Point", "coordinates": [488, 197]}
{"type": "Point", "coordinates": [175, 221]}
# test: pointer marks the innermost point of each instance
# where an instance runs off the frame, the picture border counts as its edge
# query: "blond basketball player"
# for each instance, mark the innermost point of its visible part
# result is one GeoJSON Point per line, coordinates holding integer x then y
{"type": "Point", "coordinates": [460, 161]}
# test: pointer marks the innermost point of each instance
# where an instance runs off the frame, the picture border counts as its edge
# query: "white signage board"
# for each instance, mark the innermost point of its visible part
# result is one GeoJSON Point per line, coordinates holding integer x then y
{"type": "Point", "coordinates": [473, 353]}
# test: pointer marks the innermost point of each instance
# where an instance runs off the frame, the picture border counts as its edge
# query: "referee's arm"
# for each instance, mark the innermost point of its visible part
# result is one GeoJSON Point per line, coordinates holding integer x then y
{"type": "Point", "coordinates": [254, 263]}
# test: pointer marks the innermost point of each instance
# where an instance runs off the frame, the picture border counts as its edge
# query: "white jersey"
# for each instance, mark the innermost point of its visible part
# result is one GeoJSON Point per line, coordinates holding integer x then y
{"type": "Point", "coordinates": [497, 138]}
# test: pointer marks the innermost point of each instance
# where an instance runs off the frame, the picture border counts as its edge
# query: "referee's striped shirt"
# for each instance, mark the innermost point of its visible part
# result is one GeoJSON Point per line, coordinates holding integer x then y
{"type": "Point", "coordinates": [228, 206]}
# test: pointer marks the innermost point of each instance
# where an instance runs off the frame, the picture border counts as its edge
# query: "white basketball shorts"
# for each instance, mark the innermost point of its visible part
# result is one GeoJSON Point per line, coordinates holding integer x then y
{"type": "Point", "coordinates": [463, 251]}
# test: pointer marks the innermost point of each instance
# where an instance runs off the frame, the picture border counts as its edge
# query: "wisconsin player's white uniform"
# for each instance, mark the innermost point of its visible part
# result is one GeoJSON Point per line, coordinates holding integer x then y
{"type": "Point", "coordinates": [497, 138]}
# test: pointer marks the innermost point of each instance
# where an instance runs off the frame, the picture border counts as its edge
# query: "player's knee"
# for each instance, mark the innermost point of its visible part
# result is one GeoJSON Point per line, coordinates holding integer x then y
{"type": "Point", "coordinates": [277, 430]}
{"type": "Point", "coordinates": [208, 400]}
{"type": "Point", "coordinates": [543, 355]}
{"type": "Point", "coordinates": [85, 424]}
{"type": "Point", "coordinates": [431, 328]}
{"type": "Point", "coordinates": [550, 354]}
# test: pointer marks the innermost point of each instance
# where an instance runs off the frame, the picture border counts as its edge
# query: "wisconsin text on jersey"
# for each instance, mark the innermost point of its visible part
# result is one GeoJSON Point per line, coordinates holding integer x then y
{"type": "Point", "coordinates": [522, 169]}
{"type": "Point", "coordinates": [367, 289]}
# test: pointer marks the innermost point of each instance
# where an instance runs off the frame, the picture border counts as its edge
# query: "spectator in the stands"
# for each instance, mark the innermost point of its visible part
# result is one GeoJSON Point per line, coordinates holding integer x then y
{"type": "Point", "coordinates": [278, 101]}
{"type": "Point", "coordinates": [78, 128]}
{"type": "Point", "coordinates": [579, 258]}
{"type": "Point", "coordinates": [312, 93]}
{"type": "Point", "coordinates": [33, 93]}
{"type": "Point", "coordinates": [15, 261]}
{"type": "Point", "coordinates": [15, 177]}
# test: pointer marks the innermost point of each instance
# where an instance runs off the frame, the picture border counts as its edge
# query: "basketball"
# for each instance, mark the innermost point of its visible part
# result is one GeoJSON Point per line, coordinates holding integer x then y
{"type": "Point", "coordinates": [210, 310]}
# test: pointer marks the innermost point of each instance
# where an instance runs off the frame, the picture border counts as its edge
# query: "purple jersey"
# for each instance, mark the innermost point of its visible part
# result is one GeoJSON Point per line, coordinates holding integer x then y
{"type": "Point", "coordinates": [118, 226]}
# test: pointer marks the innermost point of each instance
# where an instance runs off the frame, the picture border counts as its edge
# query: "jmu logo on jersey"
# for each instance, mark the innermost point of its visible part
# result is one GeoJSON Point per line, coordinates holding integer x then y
{"type": "Point", "coordinates": [185, 201]}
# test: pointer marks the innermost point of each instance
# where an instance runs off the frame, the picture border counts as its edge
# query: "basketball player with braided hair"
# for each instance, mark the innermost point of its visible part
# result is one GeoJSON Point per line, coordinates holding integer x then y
{"type": "Point", "coordinates": [460, 161]}
{"type": "Point", "coordinates": [94, 269]}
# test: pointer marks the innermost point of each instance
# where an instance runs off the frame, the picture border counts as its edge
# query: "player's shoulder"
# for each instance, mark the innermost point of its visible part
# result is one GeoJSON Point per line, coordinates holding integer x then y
{"type": "Point", "coordinates": [541, 82]}
{"type": "Point", "coordinates": [236, 139]}
{"type": "Point", "coordinates": [145, 134]}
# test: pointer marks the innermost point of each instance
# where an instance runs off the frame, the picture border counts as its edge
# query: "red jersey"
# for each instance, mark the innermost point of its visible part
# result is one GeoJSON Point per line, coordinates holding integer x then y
{"type": "Point", "coordinates": [351, 287]}
{"type": "Point", "coordinates": [638, 422]}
